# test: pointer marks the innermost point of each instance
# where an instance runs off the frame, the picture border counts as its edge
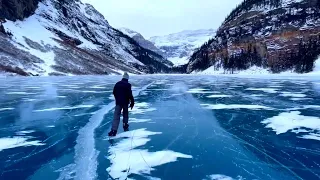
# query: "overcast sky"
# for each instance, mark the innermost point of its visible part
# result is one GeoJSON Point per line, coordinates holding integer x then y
{"type": "Point", "coordinates": [162, 17]}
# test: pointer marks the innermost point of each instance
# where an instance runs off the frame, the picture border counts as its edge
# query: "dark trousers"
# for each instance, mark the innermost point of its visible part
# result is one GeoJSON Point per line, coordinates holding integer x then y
{"type": "Point", "coordinates": [117, 114]}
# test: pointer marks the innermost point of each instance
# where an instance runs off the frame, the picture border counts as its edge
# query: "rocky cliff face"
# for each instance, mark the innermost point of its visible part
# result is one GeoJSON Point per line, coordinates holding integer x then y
{"type": "Point", "coordinates": [278, 35]}
{"type": "Point", "coordinates": [68, 37]}
{"type": "Point", "coordinates": [17, 9]}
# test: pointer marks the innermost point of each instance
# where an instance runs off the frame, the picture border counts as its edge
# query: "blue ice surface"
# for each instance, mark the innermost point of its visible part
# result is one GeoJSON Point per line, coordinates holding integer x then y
{"type": "Point", "coordinates": [56, 128]}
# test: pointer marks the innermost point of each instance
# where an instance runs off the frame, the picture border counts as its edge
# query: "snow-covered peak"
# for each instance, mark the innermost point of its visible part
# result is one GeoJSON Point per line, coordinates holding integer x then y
{"type": "Point", "coordinates": [178, 47]}
{"type": "Point", "coordinates": [128, 32]}
{"type": "Point", "coordinates": [194, 38]}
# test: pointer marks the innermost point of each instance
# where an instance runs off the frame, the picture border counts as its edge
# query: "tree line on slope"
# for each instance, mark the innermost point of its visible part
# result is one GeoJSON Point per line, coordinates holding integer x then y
{"type": "Point", "coordinates": [300, 59]}
{"type": "Point", "coordinates": [248, 4]}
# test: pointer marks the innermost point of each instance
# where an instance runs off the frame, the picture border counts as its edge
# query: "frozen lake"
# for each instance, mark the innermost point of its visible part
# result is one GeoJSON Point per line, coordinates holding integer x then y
{"type": "Point", "coordinates": [182, 127]}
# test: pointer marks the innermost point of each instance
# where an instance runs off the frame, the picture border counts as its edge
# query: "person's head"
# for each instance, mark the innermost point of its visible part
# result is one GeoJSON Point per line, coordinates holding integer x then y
{"type": "Point", "coordinates": [126, 76]}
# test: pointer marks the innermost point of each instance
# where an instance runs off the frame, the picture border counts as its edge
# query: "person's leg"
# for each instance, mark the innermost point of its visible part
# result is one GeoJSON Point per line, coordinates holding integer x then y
{"type": "Point", "coordinates": [125, 118]}
{"type": "Point", "coordinates": [125, 115]}
{"type": "Point", "coordinates": [116, 118]}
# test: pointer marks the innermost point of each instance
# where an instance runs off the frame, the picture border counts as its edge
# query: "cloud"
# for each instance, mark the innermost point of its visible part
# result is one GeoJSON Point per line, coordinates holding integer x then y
{"type": "Point", "coordinates": [161, 17]}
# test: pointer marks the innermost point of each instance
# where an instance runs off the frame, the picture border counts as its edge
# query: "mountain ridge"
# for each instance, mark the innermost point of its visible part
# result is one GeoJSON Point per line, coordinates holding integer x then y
{"type": "Point", "coordinates": [145, 43]}
{"type": "Point", "coordinates": [69, 37]}
{"type": "Point", "coordinates": [278, 35]}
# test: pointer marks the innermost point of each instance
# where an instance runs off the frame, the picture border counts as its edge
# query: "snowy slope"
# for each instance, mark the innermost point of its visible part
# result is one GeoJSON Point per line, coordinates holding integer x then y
{"type": "Point", "coordinates": [178, 47]}
{"type": "Point", "coordinates": [72, 38]}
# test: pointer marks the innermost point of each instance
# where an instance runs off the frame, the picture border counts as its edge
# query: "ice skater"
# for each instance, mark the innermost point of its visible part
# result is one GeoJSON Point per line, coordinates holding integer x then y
{"type": "Point", "coordinates": [123, 95]}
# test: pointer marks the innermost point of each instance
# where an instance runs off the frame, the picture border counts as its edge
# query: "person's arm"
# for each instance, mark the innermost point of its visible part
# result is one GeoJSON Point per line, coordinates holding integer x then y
{"type": "Point", "coordinates": [131, 98]}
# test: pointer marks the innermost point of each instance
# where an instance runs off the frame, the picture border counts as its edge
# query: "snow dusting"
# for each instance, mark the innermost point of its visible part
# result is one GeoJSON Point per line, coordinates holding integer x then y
{"type": "Point", "coordinates": [141, 108]}
{"type": "Point", "coordinates": [14, 142]}
{"type": "Point", "coordinates": [235, 106]}
{"type": "Point", "coordinates": [266, 90]}
{"type": "Point", "coordinates": [218, 96]}
{"type": "Point", "coordinates": [65, 108]}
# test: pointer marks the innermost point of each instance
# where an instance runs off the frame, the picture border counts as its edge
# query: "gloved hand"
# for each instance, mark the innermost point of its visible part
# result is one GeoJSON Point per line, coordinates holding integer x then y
{"type": "Point", "coordinates": [131, 105]}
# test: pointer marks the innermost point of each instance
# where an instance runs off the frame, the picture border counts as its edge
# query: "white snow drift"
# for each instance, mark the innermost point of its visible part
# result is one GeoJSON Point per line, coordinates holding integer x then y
{"type": "Point", "coordinates": [126, 159]}
{"type": "Point", "coordinates": [288, 121]}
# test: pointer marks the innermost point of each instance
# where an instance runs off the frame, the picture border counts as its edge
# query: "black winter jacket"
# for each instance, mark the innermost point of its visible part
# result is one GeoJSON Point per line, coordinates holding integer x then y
{"type": "Point", "coordinates": [123, 93]}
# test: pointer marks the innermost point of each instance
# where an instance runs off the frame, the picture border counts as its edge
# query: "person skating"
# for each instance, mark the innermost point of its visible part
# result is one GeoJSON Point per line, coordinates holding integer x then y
{"type": "Point", "coordinates": [123, 95]}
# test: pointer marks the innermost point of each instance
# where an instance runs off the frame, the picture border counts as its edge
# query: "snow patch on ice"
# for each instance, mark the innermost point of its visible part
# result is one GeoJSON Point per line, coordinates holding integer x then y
{"type": "Point", "coordinates": [266, 90]}
{"type": "Point", "coordinates": [299, 99]}
{"type": "Point", "coordinates": [6, 109]}
{"type": "Point", "coordinates": [218, 96]}
{"type": "Point", "coordinates": [201, 91]}
{"type": "Point", "coordinates": [135, 120]}
{"type": "Point", "coordinates": [311, 136]}
{"type": "Point", "coordinates": [66, 172]}
{"type": "Point", "coordinates": [288, 121]}
{"type": "Point", "coordinates": [141, 108]}
{"type": "Point", "coordinates": [19, 93]}
{"type": "Point", "coordinates": [292, 94]}
{"type": "Point", "coordinates": [297, 131]}
{"type": "Point", "coordinates": [235, 106]}
{"type": "Point", "coordinates": [126, 159]}
{"type": "Point", "coordinates": [316, 107]}
{"type": "Point", "coordinates": [218, 177]}
{"type": "Point", "coordinates": [14, 142]}
{"type": "Point", "coordinates": [257, 95]}
{"type": "Point", "coordinates": [25, 132]}
{"type": "Point", "coordinates": [65, 108]}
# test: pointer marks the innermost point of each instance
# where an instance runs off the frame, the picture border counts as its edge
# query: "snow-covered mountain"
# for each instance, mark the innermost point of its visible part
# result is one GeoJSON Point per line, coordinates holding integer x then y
{"type": "Point", "coordinates": [178, 47]}
{"type": "Point", "coordinates": [275, 35]}
{"type": "Point", "coordinates": [64, 37]}
{"type": "Point", "coordinates": [144, 43]}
